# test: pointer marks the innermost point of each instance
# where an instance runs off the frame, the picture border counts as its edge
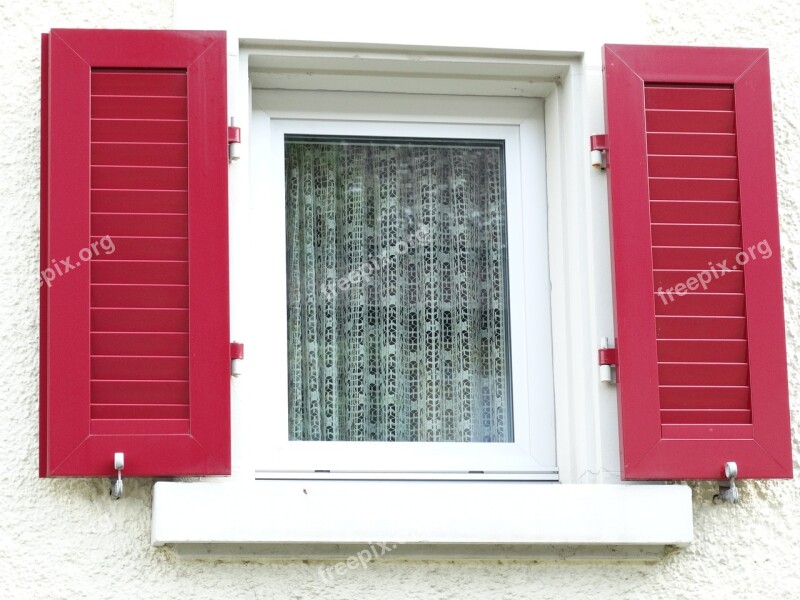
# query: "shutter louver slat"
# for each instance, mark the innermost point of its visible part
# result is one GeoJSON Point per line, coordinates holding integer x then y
{"type": "Point", "coordinates": [172, 320]}
{"type": "Point", "coordinates": [138, 427]}
{"type": "Point", "coordinates": [689, 121]}
{"type": "Point", "coordinates": [695, 213]}
{"type": "Point", "coordinates": [118, 82]}
{"type": "Point", "coordinates": [693, 258]}
{"type": "Point", "coordinates": [147, 368]}
{"type": "Point", "coordinates": [140, 344]}
{"type": "Point", "coordinates": [694, 97]}
{"type": "Point", "coordinates": [706, 416]}
{"type": "Point", "coordinates": [139, 107]}
{"type": "Point", "coordinates": [715, 431]}
{"type": "Point", "coordinates": [149, 201]}
{"type": "Point", "coordinates": [138, 392]}
{"type": "Point", "coordinates": [665, 188]}
{"type": "Point", "coordinates": [702, 304]}
{"type": "Point", "coordinates": [693, 165]}
{"type": "Point", "coordinates": [706, 373]}
{"type": "Point", "coordinates": [677, 397]}
{"type": "Point", "coordinates": [174, 272]}
{"type": "Point", "coordinates": [140, 154]}
{"type": "Point", "coordinates": [696, 144]}
{"type": "Point", "coordinates": [138, 248]}
{"type": "Point", "coordinates": [150, 412]}
{"type": "Point", "coordinates": [732, 283]}
{"type": "Point", "coordinates": [142, 130]}
{"type": "Point", "coordinates": [710, 328]}
{"type": "Point", "coordinates": [700, 354]}
{"type": "Point", "coordinates": [139, 178]}
{"type": "Point", "coordinates": [703, 351]}
{"type": "Point", "coordinates": [109, 295]}
{"type": "Point", "coordinates": [693, 234]}
{"type": "Point", "coordinates": [141, 224]}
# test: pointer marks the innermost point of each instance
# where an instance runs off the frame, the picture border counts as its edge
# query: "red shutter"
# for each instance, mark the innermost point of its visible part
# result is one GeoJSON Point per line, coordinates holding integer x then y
{"type": "Point", "coordinates": [701, 351]}
{"type": "Point", "coordinates": [134, 311]}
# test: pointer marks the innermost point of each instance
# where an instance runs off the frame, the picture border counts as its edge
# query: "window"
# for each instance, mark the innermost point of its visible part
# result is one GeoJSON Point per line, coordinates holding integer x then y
{"type": "Point", "coordinates": [417, 316]}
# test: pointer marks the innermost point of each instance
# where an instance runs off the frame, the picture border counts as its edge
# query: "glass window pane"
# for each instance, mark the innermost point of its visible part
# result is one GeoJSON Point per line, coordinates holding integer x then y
{"type": "Point", "coordinates": [397, 290]}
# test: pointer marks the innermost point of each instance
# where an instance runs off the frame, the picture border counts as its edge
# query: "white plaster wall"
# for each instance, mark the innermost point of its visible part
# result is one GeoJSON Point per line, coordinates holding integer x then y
{"type": "Point", "coordinates": [66, 539]}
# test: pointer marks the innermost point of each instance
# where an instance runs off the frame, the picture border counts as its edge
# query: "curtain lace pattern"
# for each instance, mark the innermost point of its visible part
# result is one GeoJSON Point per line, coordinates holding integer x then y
{"type": "Point", "coordinates": [397, 291]}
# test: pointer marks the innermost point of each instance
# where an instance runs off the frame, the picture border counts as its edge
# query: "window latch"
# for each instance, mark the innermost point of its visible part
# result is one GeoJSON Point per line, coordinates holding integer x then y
{"type": "Point", "coordinates": [599, 151]}
{"type": "Point", "coordinates": [606, 358]}
{"type": "Point", "coordinates": [237, 355]}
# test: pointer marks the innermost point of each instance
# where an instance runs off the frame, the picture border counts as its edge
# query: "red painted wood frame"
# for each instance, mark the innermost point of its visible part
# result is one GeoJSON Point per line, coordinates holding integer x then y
{"type": "Point", "coordinates": [135, 344]}
{"type": "Point", "coordinates": [702, 374]}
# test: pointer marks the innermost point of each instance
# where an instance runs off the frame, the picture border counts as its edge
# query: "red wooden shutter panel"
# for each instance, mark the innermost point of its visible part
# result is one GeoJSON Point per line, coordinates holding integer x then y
{"type": "Point", "coordinates": [697, 278]}
{"type": "Point", "coordinates": [134, 195]}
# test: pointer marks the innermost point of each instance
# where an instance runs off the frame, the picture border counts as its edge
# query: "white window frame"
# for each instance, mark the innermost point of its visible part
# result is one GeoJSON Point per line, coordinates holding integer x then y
{"type": "Point", "coordinates": [300, 518]}
{"type": "Point", "coordinates": [519, 123]}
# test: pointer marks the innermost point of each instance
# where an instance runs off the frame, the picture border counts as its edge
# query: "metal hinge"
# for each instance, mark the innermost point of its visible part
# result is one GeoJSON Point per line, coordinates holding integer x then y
{"type": "Point", "coordinates": [237, 355]}
{"type": "Point", "coordinates": [234, 142]}
{"type": "Point", "coordinates": [606, 358]}
{"type": "Point", "coordinates": [599, 151]}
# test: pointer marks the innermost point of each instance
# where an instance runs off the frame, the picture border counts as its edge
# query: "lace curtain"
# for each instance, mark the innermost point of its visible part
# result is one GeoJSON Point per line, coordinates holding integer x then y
{"type": "Point", "coordinates": [397, 291]}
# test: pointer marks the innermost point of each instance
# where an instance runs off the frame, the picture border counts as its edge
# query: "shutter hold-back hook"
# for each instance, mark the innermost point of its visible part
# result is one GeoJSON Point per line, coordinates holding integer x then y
{"type": "Point", "coordinates": [728, 492]}
{"type": "Point", "coordinates": [119, 464]}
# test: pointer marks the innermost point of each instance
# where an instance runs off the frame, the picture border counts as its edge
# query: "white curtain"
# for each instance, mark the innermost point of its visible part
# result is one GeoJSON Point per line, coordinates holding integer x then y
{"type": "Point", "coordinates": [397, 291]}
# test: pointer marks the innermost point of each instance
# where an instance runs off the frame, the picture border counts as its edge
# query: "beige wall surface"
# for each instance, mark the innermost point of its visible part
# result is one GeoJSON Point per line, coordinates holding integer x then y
{"type": "Point", "coordinates": [67, 539]}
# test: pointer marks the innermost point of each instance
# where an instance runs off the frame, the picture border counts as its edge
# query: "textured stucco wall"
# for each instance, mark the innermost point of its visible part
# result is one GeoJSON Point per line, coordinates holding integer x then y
{"type": "Point", "coordinates": [65, 539]}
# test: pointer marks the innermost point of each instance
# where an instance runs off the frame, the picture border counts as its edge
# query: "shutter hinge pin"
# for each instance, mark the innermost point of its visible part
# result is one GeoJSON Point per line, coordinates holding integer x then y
{"type": "Point", "coordinates": [234, 142]}
{"type": "Point", "coordinates": [237, 355]}
{"type": "Point", "coordinates": [728, 492]}
{"type": "Point", "coordinates": [119, 464]}
{"type": "Point", "coordinates": [599, 151]}
{"type": "Point", "coordinates": [606, 358]}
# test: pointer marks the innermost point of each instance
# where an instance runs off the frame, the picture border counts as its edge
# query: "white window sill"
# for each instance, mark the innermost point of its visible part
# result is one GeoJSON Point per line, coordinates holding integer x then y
{"type": "Point", "coordinates": [334, 519]}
